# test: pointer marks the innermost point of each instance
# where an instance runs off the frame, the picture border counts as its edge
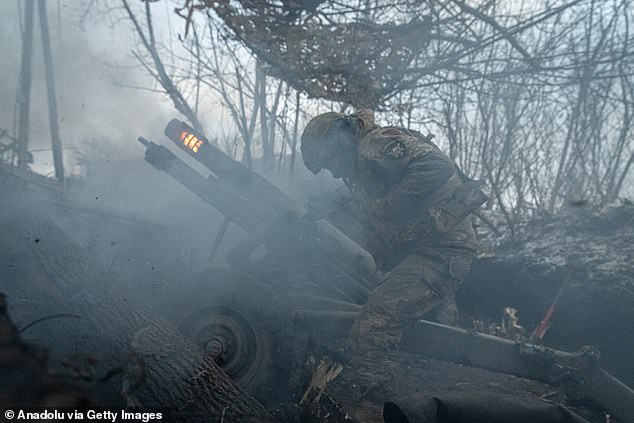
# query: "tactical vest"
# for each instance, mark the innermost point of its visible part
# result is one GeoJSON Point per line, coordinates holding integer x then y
{"type": "Point", "coordinates": [455, 200]}
{"type": "Point", "coordinates": [441, 220]}
{"type": "Point", "coordinates": [458, 198]}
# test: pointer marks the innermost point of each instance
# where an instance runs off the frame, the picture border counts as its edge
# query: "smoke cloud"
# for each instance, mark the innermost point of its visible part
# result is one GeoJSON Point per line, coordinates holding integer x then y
{"type": "Point", "coordinates": [93, 70]}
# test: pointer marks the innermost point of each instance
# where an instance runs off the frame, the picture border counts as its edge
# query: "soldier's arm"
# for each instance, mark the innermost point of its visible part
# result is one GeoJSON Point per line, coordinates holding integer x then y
{"type": "Point", "coordinates": [400, 170]}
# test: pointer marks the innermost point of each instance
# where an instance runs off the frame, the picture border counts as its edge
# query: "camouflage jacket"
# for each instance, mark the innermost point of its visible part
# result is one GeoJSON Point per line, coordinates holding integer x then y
{"type": "Point", "coordinates": [400, 179]}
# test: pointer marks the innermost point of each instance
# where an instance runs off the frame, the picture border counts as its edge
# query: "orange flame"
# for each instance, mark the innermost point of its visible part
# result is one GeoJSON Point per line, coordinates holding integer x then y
{"type": "Point", "coordinates": [191, 141]}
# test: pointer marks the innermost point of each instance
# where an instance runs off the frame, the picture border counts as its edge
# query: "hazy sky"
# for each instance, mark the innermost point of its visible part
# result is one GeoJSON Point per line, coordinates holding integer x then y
{"type": "Point", "coordinates": [90, 64]}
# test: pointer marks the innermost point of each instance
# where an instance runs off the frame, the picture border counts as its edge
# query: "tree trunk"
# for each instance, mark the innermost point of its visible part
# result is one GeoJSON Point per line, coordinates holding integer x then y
{"type": "Point", "coordinates": [42, 265]}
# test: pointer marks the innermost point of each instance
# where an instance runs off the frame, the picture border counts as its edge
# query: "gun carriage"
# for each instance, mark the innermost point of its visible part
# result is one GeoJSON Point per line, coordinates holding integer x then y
{"type": "Point", "coordinates": [235, 314]}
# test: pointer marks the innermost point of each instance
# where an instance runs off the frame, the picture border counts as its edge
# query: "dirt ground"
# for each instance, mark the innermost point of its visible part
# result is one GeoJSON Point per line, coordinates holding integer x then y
{"type": "Point", "coordinates": [367, 381]}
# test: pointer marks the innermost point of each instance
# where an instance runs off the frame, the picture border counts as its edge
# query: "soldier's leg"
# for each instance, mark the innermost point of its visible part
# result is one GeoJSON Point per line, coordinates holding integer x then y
{"type": "Point", "coordinates": [422, 285]}
{"type": "Point", "coordinates": [459, 263]}
{"type": "Point", "coordinates": [401, 297]}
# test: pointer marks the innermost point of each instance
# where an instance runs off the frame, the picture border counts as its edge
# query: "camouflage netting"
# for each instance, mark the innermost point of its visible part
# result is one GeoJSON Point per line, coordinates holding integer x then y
{"type": "Point", "coordinates": [329, 51]}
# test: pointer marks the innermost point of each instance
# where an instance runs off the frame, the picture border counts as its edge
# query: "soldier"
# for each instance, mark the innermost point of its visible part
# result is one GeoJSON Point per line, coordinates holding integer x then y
{"type": "Point", "coordinates": [414, 204]}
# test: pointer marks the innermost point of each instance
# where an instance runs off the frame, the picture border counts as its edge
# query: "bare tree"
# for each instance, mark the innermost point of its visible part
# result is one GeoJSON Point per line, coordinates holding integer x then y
{"type": "Point", "coordinates": [158, 70]}
{"type": "Point", "coordinates": [535, 98]}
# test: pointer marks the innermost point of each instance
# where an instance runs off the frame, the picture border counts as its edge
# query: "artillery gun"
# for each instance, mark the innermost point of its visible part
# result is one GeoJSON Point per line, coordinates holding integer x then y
{"type": "Point", "coordinates": [235, 315]}
{"type": "Point", "coordinates": [309, 268]}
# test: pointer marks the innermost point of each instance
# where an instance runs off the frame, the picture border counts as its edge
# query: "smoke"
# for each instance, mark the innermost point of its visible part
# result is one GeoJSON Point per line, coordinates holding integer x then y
{"type": "Point", "coordinates": [100, 117]}
{"type": "Point", "coordinates": [104, 102]}
{"type": "Point", "coordinates": [93, 70]}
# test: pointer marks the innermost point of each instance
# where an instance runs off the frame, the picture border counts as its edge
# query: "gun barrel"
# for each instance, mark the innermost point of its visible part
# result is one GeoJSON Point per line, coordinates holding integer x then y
{"type": "Point", "coordinates": [211, 189]}
{"type": "Point", "coordinates": [252, 186]}
{"type": "Point", "coordinates": [144, 141]}
{"type": "Point", "coordinates": [255, 189]}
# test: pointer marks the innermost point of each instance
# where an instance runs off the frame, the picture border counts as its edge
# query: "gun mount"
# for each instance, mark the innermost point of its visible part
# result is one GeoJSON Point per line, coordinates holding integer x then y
{"type": "Point", "coordinates": [223, 325]}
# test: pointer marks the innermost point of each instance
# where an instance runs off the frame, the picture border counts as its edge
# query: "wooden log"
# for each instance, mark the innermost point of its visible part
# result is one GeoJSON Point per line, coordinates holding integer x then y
{"type": "Point", "coordinates": [42, 264]}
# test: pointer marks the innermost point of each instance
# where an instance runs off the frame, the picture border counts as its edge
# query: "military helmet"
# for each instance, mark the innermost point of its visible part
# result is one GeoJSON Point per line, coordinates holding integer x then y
{"type": "Point", "coordinates": [315, 147]}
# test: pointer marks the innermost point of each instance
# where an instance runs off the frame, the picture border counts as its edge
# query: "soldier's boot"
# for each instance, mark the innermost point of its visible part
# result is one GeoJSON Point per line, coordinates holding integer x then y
{"type": "Point", "coordinates": [375, 342]}
{"type": "Point", "coordinates": [375, 329]}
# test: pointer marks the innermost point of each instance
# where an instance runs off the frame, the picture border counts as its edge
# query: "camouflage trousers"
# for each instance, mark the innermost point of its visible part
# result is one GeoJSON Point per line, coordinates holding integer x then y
{"type": "Point", "coordinates": [422, 285]}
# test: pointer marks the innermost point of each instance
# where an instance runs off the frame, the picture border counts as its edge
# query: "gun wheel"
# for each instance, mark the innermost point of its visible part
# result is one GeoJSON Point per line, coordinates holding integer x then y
{"type": "Point", "coordinates": [233, 318]}
{"type": "Point", "coordinates": [236, 343]}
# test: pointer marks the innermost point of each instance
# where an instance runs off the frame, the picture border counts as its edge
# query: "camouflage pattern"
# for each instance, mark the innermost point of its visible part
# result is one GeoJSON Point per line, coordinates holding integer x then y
{"type": "Point", "coordinates": [400, 184]}
{"type": "Point", "coordinates": [422, 285]}
{"type": "Point", "coordinates": [400, 178]}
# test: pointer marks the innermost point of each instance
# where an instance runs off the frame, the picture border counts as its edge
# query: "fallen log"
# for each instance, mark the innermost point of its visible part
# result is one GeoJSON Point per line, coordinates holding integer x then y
{"type": "Point", "coordinates": [43, 266]}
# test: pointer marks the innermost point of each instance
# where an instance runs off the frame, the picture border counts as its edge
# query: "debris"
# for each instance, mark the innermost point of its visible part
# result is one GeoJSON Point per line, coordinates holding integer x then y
{"type": "Point", "coordinates": [511, 328]}
{"type": "Point", "coordinates": [318, 406]}
{"type": "Point", "coordinates": [323, 375]}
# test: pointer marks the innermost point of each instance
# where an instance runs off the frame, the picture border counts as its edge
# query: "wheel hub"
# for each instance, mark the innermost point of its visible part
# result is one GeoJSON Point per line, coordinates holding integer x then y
{"type": "Point", "coordinates": [229, 338]}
